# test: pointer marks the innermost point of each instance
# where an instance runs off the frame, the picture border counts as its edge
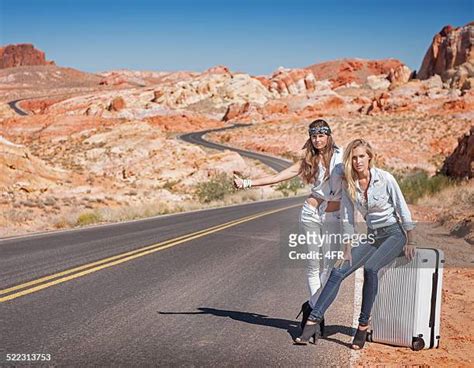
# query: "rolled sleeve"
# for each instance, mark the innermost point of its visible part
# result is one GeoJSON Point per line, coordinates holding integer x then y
{"type": "Point", "coordinates": [347, 214]}
{"type": "Point", "coordinates": [400, 204]}
{"type": "Point", "coordinates": [336, 177]}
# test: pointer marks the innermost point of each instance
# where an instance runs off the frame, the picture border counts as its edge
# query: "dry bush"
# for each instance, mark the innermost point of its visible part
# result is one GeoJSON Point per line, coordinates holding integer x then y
{"type": "Point", "coordinates": [455, 203]}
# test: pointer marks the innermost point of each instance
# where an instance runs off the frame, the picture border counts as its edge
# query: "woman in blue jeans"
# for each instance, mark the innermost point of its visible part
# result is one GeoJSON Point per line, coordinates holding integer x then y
{"type": "Point", "coordinates": [377, 196]}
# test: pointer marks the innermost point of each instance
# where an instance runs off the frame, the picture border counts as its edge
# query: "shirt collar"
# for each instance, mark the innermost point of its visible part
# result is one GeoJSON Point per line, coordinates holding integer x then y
{"type": "Point", "coordinates": [336, 152]}
{"type": "Point", "coordinates": [374, 178]}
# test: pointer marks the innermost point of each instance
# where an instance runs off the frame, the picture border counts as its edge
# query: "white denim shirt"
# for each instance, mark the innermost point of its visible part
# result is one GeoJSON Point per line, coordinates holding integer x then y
{"type": "Point", "coordinates": [331, 188]}
{"type": "Point", "coordinates": [385, 204]}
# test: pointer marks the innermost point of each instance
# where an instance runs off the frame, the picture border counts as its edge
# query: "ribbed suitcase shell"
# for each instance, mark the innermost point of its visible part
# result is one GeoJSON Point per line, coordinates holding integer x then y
{"type": "Point", "coordinates": [407, 308]}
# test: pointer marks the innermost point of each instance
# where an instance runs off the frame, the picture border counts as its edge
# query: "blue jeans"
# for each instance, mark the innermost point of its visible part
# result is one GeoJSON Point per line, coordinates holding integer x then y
{"type": "Point", "coordinates": [388, 245]}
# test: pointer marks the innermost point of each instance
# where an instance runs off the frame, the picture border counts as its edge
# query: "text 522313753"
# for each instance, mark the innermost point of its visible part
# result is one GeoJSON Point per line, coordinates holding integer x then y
{"type": "Point", "coordinates": [28, 357]}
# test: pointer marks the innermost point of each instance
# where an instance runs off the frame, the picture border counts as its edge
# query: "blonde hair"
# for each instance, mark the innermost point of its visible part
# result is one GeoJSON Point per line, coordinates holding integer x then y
{"type": "Point", "coordinates": [309, 168]}
{"type": "Point", "coordinates": [349, 172]}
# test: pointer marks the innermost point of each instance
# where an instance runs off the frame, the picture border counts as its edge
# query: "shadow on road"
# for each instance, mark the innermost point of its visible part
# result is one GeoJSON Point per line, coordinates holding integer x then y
{"type": "Point", "coordinates": [335, 329]}
{"type": "Point", "coordinates": [292, 327]}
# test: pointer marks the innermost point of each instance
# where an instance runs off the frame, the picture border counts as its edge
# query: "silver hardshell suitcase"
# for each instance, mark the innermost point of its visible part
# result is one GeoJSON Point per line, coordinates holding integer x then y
{"type": "Point", "coordinates": [407, 308]}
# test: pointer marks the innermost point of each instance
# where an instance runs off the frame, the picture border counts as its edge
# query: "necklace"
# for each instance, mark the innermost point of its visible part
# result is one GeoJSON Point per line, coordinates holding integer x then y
{"type": "Point", "coordinates": [365, 190]}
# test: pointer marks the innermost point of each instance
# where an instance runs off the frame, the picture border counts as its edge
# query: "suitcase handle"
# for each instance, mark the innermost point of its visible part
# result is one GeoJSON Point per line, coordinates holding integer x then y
{"type": "Point", "coordinates": [433, 299]}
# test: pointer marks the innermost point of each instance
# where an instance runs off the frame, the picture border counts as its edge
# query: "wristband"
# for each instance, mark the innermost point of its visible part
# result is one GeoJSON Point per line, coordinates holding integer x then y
{"type": "Point", "coordinates": [247, 183]}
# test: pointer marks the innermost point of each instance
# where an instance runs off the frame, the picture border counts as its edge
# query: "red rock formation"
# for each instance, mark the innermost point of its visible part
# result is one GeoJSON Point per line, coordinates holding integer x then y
{"type": "Point", "coordinates": [265, 81]}
{"type": "Point", "coordinates": [460, 163]}
{"type": "Point", "coordinates": [291, 81]}
{"type": "Point", "coordinates": [333, 103]}
{"type": "Point", "coordinates": [379, 104]}
{"type": "Point", "coordinates": [183, 123]}
{"type": "Point", "coordinates": [21, 55]}
{"type": "Point", "coordinates": [114, 79]}
{"type": "Point", "coordinates": [361, 100]}
{"type": "Point", "coordinates": [39, 106]}
{"type": "Point", "coordinates": [22, 171]}
{"type": "Point", "coordinates": [448, 54]}
{"type": "Point", "coordinates": [218, 69]}
{"type": "Point", "coordinates": [455, 105]}
{"type": "Point", "coordinates": [28, 129]}
{"type": "Point", "coordinates": [117, 104]}
{"type": "Point", "coordinates": [157, 95]}
{"type": "Point", "coordinates": [274, 107]}
{"type": "Point", "coordinates": [341, 72]}
{"type": "Point", "coordinates": [125, 77]}
{"type": "Point", "coordinates": [398, 76]}
{"type": "Point", "coordinates": [235, 110]}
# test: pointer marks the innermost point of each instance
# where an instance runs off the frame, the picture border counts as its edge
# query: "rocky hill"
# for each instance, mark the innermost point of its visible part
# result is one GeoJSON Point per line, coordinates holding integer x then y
{"type": "Point", "coordinates": [451, 56]}
{"type": "Point", "coordinates": [352, 71]}
{"type": "Point", "coordinates": [114, 133]}
{"type": "Point", "coordinates": [21, 55]}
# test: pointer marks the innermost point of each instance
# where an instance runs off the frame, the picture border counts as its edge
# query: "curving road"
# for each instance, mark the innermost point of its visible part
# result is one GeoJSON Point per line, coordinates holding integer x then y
{"type": "Point", "coordinates": [207, 288]}
{"type": "Point", "coordinates": [14, 106]}
{"type": "Point", "coordinates": [275, 163]}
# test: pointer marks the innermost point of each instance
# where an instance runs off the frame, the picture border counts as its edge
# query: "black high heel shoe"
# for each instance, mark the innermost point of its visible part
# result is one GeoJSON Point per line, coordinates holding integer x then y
{"type": "Point", "coordinates": [322, 327]}
{"type": "Point", "coordinates": [321, 331]}
{"type": "Point", "coordinates": [306, 311]}
{"type": "Point", "coordinates": [310, 330]}
{"type": "Point", "coordinates": [359, 338]}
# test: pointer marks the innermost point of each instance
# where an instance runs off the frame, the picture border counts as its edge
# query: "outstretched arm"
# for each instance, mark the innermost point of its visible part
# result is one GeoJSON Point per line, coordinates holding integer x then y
{"type": "Point", "coordinates": [286, 174]}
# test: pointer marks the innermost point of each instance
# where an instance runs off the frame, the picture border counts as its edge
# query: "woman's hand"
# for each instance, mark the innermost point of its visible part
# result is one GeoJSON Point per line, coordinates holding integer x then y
{"type": "Point", "coordinates": [410, 247]}
{"type": "Point", "coordinates": [238, 182]}
{"type": "Point", "coordinates": [347, 256]}
{"type": "Point", "coordinates": [410, 251]}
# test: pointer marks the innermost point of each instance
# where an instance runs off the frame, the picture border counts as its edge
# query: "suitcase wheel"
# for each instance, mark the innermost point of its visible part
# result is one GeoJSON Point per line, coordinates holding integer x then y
{"type": "Point", "coordinates": [418, 343]}
{"type": "Point", "coordinates": [369, 336]}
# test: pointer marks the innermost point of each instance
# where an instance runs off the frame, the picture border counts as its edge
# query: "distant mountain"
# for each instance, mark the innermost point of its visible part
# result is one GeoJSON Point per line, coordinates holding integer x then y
{"type": "Point", "coordinates": [345, 71]}
{"type": "Point", "coordinates": [22, 55]}
{"type": "Point", "coordinates": [451, 56]}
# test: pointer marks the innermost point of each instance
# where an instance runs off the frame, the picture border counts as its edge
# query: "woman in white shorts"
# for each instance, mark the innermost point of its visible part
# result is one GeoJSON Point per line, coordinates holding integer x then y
{"type": "Point", "coordinates": [321, 167]}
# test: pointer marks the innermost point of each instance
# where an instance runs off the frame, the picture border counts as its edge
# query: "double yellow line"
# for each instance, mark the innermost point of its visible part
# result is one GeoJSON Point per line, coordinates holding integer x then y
{"type": "Point", "coordinates": [73, 273]}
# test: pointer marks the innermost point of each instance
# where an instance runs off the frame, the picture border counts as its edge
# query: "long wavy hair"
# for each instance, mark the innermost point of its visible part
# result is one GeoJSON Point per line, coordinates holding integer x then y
{"type": "Point", "coordinates": [309, 168]}
{"type": "Point", "coordinates": [349, 172]}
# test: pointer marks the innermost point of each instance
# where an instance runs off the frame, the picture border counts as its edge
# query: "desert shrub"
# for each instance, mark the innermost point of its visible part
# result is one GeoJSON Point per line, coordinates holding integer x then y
{"type": "Point", "coordinates": [290, 186]}
{"type": "Point", "coordinates": [417, 185]}
{"type": "Point", "coordinates": [215, 189]}
{"type": "Point", "coordinates": [169, 184]}
{"type": "Point", "coordinates": [458, 198]}
{"type": "Point", "coordinates": [292, 156]}
{"type": "Point", "coordinates": [88, 218]}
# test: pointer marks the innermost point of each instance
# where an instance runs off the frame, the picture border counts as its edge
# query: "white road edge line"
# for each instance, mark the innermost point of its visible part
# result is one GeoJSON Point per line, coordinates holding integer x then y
{"type": "Point", "coordinates": [358, 281]}
{"type": "Point", "coordinates": [49, 232]}
{"type": "Point", "coordinates": [45, 233]}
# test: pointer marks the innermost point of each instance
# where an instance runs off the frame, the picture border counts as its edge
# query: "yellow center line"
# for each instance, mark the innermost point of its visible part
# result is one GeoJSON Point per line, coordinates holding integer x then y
{"type": "Point", "coordinates": [101, 261]}
{"type": "Point", "coordinates": [121, 258]}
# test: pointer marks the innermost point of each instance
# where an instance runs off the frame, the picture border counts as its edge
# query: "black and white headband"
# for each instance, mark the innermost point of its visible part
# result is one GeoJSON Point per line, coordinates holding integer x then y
{"type": "Point", "coordinates": [319, 130]}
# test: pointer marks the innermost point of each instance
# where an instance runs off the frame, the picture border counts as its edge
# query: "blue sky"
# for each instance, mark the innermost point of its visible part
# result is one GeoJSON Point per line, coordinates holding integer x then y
{"type": "Point", "coordinates": [252, 36]}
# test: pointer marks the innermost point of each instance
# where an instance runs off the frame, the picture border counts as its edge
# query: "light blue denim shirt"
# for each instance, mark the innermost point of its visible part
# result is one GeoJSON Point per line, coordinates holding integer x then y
{"type": "Point", "coordinates": [385, 204]}
{"type": "Point", "coordinates": [331, 188]}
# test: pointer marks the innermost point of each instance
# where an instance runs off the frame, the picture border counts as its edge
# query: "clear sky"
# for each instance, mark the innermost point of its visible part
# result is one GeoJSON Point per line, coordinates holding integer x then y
{"type": "Point", "coordinates": [252, 36]}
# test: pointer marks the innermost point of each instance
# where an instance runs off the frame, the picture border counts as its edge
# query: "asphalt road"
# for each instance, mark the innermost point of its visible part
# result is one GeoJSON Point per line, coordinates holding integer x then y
{"type": "Point", "coordinates": [13, 105]}
{"type": "Point", "coordinates": [275, 163]}
{"type": "Point", "coordinates": [206, 288]}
